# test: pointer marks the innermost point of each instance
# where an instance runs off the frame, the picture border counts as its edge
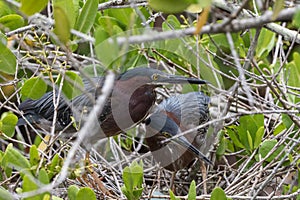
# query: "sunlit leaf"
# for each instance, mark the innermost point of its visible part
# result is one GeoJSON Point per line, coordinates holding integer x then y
{"type": "Point", "coordinates": [69, 9]}
{"type": "Point", "coordinates": [170, 6]}
{"type": "Point", "coordinates": [265, 43]}
{"type": "Point", "coordinates": [7, 60]}
{"type": "Point", "coordinates": [62, 25]}
{"type": "Point", "coordinates": [72, 192]}
{"type": "Point", "coordinates": [29, 7]}
{"type": "Point", "coordinates": [218, 194]}
{"type": "Point", "coordinates": [87, 16]}
{"type": "Point", "coordinates": [8, 123]}
{"type": "Point", "coordinates": [86, 193]}
{"type": "Point", "coordinates": [12, 21]}
{"type": "Point", "coordinates": [34, 88]}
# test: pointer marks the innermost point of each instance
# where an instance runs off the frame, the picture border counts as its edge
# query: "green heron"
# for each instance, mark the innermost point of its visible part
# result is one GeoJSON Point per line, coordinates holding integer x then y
{"type": "Point", "coordinates": [173, 116]}
{"type": "Point", "coordinates": [130, 100]}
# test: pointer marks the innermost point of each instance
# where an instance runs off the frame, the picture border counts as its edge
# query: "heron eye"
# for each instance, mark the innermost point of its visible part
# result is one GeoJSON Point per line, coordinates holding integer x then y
{"type": "Point", "coordinates": [166, 134]}
{"type": "Point", "coordinates": [154, 77]}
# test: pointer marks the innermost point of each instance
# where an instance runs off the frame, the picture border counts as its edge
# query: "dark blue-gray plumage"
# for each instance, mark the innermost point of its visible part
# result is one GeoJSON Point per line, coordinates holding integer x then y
{"type": "Point", "coordinates": [171, 117]}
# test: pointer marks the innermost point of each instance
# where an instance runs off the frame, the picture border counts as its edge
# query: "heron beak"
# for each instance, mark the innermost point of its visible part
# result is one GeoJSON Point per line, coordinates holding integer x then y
{"type": "Point", "coordinates": [186, 144]}
{"type": "Point", "coordinates": [173, 79]}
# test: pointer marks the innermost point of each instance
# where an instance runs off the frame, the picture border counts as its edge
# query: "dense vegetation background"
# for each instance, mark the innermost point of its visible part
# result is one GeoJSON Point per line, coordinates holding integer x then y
{"type": "Point", "coordinates": [248, 50]}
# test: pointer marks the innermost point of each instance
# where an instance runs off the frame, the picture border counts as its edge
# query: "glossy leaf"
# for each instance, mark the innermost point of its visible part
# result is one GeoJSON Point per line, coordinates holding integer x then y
{"type": "Point", "coordinates": [86, 193]}
{"type": "Point", "coordinates": [7, 59]}
{"type": "Point", "coordinates": [218, 194]}
{"type": "Point", "coordinates": [8, 123]}
{"type": "Point", "coordinates": [72, 84]}
{"type": "Point", "coordinates": [30, 7]}
{"type": "Point", "coordinates": [62, 25]}
{"type": "Point", "coordinates": [12, 21]}
{"type": "Point", "coordinates": [87, 16]}
{"type": "Point", "coordinates": [72, 192]}
{"type": "Point", "coordinates": [34, 88]}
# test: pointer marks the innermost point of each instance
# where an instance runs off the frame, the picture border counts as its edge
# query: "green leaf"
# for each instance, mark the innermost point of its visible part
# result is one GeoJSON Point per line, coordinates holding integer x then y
{"type": "Point", "coordinates": [87, 16]}
{"type": "Point", "coordinates": [170, 6]}
{"type": "Point", "coordinates": [286, 120]}
{"type": "Point", "coordinates": [72, 85]}
{"type": "Point", "coordinates": [30, 7]}
{"type": "Point", "coordinates": [112, 51]}
{"type": "Point", "coordinates": [234, 138]}
{"type": "Point", "coordinates": [86, 193]}
{"type": "Point", "coordinates": [247, 130]}
{"type": "Point", "coordinates": [54, 166]}
{"type": "Point", "coordinates": [69, 9]}
{"type": "Point", "coordinates": [218, 194]}
{"type": "Point", "coordinates": [7, 59]}
{"type": "Point", "coordinates": [30, 185]}
{"type": "Point", "coordinates": [192, 191]}
{"type": "Point", "coordinates": [172, 196]}
{"type": "Point", "coordinates": [279, 128]}
{"type": "Point", "coordinates": [5, 195]}
{"type": "Point", "coordinates": [43, 176]}
{"type": "Point", "coordinates": [267, 146]}
{"type": "Point", "coordinates": [265, 44]}
{"type": "Point", "coordinates": [5, 9]}
{"type": "Point", "coordinates": [250, 141]}
{"type": "Point", "coordinates": [62, 25]}
{"type": "Point", "coordinates": [8, 123]}
{"type": "Point", "coordinates": [293, 71]}
{"type": "Point", "coordinates": [34, 88]}
{"type": "Point", "coordinates": [296, 19]}
{"type": "Point", "coordinates": [12, 21]}
{"type": "Point", "coordinates": [12, 158]}
{"type": "Point", "coordinates": [34, 156]}
{"type": "Point", "coordinates": [278, 6]}
{"type": "Point", "coordinates": [259, 136]}
{"type": "Point", "coordinates": [72, 192]}
{"type": "Point", "coordinates": [133, 180]}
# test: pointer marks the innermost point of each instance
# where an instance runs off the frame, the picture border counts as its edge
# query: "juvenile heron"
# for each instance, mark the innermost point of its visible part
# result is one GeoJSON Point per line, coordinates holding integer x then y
{"type": "Point", "coordinates": [174, 116]}
{"type": "Point", "coordinates": [128, 104]}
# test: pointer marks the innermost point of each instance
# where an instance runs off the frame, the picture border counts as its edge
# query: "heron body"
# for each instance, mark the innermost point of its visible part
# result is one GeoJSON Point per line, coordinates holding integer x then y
{"type": "Point", "coordinates": [128, 103]}
{"type": "Point", "coordinates": [173, 116]}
